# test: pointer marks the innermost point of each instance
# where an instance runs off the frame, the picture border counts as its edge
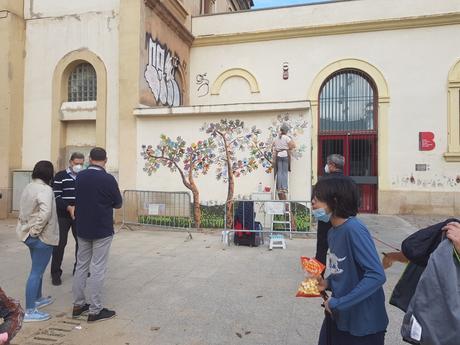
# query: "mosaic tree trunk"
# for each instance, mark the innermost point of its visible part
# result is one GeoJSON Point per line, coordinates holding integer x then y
{"type": "Point", "coordinates": [231, 136]}
{"type": "Point", "coordinates": [189, 161]}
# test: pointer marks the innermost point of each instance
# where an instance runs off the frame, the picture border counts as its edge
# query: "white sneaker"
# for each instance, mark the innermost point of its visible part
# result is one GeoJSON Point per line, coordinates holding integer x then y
{"type": "Point", "coordinates": [33, 315]}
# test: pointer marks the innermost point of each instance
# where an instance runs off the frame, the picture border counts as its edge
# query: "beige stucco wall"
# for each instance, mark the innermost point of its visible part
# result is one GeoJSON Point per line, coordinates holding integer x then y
{"type": "Point", "coordinates": [321, 14]}
{"type": "Point", "coordinates": [415, 75]}
{"type": "Point", "coordinates": [95, 31]}
{"type": "Point", "coordinates": [58, 8]}
{"type": "Point", "coordinates": [131, 38]}
{"type": "Point", "coordinates": [14, 6]}
{"type": "Point", "coordinates": [417, 86]}
{"type": "Point", "coordinates": [11, 95]}
{"type": "Point", "coordinates": [419, 202]}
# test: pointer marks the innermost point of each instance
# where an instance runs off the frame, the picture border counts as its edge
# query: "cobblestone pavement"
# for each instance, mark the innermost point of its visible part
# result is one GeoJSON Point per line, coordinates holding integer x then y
{"type": "Point", "coordinates": [167, 289]}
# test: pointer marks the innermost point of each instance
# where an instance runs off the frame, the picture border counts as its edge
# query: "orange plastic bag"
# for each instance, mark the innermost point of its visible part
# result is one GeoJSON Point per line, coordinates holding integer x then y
{"type": "Point", "coordinates": [313, 269]}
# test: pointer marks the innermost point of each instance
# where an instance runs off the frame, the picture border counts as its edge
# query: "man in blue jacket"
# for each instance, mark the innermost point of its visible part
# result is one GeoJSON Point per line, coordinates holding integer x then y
{"type": "Point", "coordinates": [97, 194]}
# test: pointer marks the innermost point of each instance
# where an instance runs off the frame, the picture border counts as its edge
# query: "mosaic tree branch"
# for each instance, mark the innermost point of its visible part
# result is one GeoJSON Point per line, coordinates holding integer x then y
{"type": "Point", "coordinates": [189, 161]}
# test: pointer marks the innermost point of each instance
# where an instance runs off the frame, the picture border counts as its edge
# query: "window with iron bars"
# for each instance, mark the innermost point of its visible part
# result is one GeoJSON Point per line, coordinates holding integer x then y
{"type": "Point", "coordinates": [82, 83]}
{"type": "Point", "coordinates": [347, 103]}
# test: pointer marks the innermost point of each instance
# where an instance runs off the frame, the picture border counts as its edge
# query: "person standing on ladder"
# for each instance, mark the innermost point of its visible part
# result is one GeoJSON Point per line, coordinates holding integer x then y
{"type": "Point", "coordinates": [282, 146]}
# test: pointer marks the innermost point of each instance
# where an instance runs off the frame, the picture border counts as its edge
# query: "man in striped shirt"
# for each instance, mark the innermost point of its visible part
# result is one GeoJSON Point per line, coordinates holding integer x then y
{"type": "Point", "coordinates": [64, 193]}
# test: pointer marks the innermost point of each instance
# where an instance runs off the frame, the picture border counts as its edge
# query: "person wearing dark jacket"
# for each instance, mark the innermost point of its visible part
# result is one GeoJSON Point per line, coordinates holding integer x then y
{"type": "Point", "coordinates": [432, 317]}
{"type": "Point", "coordinates": [333, 168]}
{"type": "Point", "coordinates": [12, 315]}
{"type": "Point", "coordinates": [64, 194]}
{"type": "Point", "coordinates": [97, 194]}
{"type": "Point", "coordinates": [416, 250]}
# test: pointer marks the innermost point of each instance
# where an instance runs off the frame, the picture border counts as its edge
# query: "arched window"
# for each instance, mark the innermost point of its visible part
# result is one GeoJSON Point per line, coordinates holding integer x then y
{"type": "Point", "coordinates": [347, 103]}
{"type": "Point", "coordinates": [82, 83]}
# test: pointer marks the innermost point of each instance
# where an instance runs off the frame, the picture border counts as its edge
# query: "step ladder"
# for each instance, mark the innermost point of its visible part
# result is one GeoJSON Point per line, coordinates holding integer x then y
{"type": "Point", "coordinates": [281, 217]}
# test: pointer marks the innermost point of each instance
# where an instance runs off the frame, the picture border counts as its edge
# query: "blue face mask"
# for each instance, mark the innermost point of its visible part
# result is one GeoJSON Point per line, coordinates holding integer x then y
{"type": "Point", "coordinates": [320, 214]}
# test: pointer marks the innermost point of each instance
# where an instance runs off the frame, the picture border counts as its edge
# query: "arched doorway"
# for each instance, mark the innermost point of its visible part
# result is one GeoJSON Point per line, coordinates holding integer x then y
{"type": "Point", "coordinates": [347, 125]}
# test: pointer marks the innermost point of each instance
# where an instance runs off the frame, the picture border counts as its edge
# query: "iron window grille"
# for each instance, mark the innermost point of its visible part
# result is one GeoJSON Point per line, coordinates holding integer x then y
{"type": "Point", "coordinates": [82, 83]}
{"type": "Point", "coordinates": [347, 103]}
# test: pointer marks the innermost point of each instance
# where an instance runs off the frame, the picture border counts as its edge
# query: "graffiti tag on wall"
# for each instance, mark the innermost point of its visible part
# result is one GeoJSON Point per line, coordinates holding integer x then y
{"type": "Point", "coordinates": [203, 84]}
{"type": "Point", "coordinates": [160, 74]}
{"type": "Point", "coordinates": [433, 181]}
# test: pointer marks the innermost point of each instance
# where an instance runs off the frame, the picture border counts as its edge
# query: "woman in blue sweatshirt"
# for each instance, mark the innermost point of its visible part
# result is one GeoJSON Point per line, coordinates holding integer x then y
{"type": "Point", "coordinates": [355, 312]}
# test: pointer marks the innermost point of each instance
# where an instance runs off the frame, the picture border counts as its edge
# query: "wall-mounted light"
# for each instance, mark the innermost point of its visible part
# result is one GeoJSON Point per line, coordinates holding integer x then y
{"type": "Point", "coordinates": [285, 70]}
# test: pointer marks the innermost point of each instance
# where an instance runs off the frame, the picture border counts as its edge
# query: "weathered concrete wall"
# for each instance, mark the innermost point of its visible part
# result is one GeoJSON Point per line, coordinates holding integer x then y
{"type": "Point", "coordinates": [58, 8]}
{"type": "Point", "coordinates": [12, 37]}
{"type": "Point", "coordinates": [83, 25]}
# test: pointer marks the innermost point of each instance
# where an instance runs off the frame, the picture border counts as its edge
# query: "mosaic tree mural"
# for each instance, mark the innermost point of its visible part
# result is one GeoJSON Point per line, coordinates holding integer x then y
{"type": "Point", "coordinates": [231, 137]}
{"type": "Point", "coordinates": [188, 160]}
{"type": "Point", "coordinates": [233, 148]}
{"type": "Point", "coordinates": [261, 150]}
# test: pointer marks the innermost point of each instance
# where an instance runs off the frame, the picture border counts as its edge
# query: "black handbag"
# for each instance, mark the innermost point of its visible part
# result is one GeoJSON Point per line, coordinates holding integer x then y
{"type": "Point", "coordinates": [405, 288]}
{"type": "Point", "coordinates": [419, 246]}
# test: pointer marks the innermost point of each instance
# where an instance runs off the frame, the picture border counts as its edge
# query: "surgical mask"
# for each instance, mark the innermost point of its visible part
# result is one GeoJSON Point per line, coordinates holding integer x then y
{"type": "Point", "coordinates": [326, 169]}
{"type": "Point", "coordinates": [77, 168]}
{"type": "Point", "coordinates": [321, 215]}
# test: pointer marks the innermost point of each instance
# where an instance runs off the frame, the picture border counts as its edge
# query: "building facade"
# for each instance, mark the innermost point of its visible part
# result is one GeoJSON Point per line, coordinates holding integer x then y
{"type": "Point", "coordinates": [375, 80]}
{"type": "Point", "coordinates": [12, 36]}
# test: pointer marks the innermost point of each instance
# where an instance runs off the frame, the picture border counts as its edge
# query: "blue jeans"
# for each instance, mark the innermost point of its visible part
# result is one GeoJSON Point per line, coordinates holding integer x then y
{"type": "Point", "coordinates": [40, 254]}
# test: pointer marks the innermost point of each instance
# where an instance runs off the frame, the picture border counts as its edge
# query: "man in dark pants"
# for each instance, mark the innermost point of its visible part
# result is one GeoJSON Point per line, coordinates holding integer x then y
{"type": "Point", "coordinates": [64, 193]}
{"type": "Point", "coordinates": [334, 167]}
{"type": "Point", "coordinates": [97, 194]}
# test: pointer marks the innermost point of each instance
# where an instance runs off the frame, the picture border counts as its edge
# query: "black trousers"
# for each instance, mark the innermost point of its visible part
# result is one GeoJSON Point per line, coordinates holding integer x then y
{"type": "Point", "coordinates": [321, 241]}
{"type": "Point", "coordinates": [58, 252]}
{"type": "Point", "coordinates": [331, 335]}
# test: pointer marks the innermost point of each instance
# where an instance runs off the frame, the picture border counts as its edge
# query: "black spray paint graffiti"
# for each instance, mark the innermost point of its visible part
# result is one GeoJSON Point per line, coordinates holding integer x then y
{"type": "Point", "coordinates": [203, 85]}
{"type": "Point", "coordinates": [160, 73]}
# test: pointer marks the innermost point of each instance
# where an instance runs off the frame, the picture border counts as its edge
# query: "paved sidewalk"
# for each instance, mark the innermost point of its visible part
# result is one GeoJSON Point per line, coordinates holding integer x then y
{"type": "Point", "coordinates": [169, 290]}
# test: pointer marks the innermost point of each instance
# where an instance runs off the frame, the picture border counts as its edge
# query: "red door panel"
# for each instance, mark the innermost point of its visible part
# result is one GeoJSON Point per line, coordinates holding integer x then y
{"type": "Point", "coordinates": [360, 152]}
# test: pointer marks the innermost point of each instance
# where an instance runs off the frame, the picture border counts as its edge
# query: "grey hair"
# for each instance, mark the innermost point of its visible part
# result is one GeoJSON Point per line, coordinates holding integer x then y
{"type": "Point", "coordinates": [337, 160]}
{"type": "Point", "coordinates": [284, 128]}
{"type": "Point", "coordinates": [77, 155]}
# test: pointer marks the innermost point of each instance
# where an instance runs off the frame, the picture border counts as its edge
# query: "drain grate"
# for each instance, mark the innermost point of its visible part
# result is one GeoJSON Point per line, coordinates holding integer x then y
{"type": "Point", "coordinates": [54, 334]}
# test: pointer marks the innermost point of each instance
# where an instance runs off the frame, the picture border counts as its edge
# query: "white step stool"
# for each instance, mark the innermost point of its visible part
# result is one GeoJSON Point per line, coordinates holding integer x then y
{"type": "Point", "coordinates": [277, 241]}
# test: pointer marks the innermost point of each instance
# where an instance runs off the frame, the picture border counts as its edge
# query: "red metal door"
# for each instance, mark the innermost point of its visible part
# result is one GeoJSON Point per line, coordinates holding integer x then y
{"type": "Point", "coordinates": [360, 155]}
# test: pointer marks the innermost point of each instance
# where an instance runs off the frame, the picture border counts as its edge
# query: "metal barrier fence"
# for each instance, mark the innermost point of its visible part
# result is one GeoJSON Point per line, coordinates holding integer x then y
{"type": "Point", "coordinates": [155, 208]}
{"type": "Point", "coordinates": [274, 216]}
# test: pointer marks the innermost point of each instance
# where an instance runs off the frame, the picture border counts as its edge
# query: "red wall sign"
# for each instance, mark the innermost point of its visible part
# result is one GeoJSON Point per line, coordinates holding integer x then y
{"type": "Point", "coordinates": [426, 141]}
